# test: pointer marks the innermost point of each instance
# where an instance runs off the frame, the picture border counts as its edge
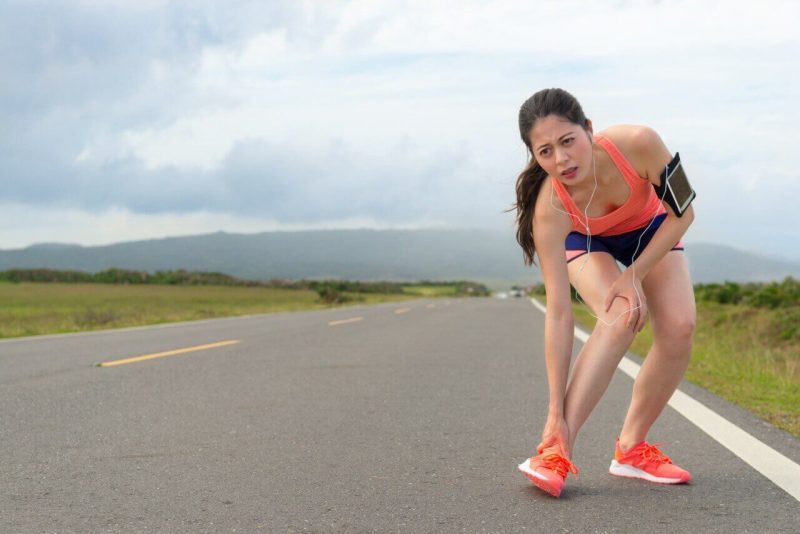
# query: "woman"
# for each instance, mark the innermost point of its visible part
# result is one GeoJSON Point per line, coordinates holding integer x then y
{"type": "Point", "coordinates": [585, 201]}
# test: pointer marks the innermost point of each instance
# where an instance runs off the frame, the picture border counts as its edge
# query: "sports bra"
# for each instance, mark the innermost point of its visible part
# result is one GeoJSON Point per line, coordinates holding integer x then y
{"type": "Point", "coordinates": [639, 209]}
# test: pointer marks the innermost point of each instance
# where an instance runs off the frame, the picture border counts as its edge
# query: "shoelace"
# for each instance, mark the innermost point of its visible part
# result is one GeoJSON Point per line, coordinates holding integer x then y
{"type": "Point", "coordinates": [651, 453]}
{"type": "Point", "coordinates": [559, 464]}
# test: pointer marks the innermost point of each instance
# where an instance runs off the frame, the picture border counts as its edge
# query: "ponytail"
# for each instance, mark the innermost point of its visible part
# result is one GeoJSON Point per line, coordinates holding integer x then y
{"type": "Point", "coordinates": [529, 183]}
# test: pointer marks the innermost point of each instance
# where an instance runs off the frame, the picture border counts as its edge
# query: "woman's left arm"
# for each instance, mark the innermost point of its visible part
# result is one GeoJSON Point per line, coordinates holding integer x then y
{"type": "Point", "coordinates": [667, 236]}
{"type": "Point", "coordinates": [647, 148]}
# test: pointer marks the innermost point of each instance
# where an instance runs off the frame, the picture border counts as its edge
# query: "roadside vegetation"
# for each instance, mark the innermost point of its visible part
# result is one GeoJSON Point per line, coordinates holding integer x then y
{"type": "Point", "coordinates": [746, 346]}
{"type": "Point", "coordinates": [42, 301]}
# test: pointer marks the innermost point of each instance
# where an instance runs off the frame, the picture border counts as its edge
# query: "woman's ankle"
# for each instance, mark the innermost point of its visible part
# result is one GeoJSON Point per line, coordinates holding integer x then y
{"type": "Point", "coordinates": [626, 443]}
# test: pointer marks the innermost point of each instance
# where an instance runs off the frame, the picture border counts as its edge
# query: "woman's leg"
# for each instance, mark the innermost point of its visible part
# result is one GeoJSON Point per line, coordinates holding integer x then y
{"type": "Point", "coordinates": [670, 299]}
{"type": "Point", "coordinates": [600, 355]}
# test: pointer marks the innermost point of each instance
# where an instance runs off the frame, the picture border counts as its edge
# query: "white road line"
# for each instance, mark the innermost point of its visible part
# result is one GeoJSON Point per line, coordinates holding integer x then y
{"type": "Point", "coordinates": [775, 466]}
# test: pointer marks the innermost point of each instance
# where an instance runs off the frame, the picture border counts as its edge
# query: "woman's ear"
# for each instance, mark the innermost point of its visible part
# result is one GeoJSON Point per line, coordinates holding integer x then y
{"type": "Point", "coordinates": [589, 129]}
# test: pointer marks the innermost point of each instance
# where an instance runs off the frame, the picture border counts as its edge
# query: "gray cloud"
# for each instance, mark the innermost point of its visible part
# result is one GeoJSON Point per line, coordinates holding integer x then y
{"type": "Point", "coordinates": [366, 118]}
{"type": "Point", "coordinates": [259, 179]}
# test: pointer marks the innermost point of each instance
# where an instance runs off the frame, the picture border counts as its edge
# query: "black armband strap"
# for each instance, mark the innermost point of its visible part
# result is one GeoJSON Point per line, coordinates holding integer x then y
{"type": "Point", "coordinates": [675, 189]}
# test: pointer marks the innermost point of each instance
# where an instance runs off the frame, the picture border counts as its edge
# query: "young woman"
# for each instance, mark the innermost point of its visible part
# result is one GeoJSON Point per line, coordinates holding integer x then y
{"type": "Point", "coordinates": [584, 202]}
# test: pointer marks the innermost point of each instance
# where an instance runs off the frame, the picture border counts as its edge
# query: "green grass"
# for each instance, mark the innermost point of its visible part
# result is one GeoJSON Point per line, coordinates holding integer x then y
{"type": "Point", "coordinates": [28, 309]}
{"type": "Point", "coordinates": [430, 291]}
{"type": "Point", "coordinates": [741, 354]}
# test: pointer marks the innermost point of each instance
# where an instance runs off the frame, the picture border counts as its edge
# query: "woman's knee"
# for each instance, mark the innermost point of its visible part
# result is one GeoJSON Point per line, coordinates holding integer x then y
{"type": "Point", "coordinates": [614, 322]}
{"type": "Point", "coordinates": [675, 329]}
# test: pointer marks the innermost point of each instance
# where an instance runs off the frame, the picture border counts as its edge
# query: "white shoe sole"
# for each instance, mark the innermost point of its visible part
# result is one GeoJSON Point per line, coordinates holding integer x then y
{"type": "Point", "coordinates": [525, 467]}
{"type": "Point", "coordinates": [538, 479]}
{"type": "Point", "coordinates": [628, 471]}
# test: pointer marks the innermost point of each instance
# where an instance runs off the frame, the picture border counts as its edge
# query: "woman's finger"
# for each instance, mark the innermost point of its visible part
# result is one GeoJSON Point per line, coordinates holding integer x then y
{"type": "Point", "coordinates": [609, 300]}
{"type": "Point", "coordinates": [640, 298]}
{"type": "Point", "coordinates": [632, 319]}
{"type": "Point", "coordinates": [642, 316]}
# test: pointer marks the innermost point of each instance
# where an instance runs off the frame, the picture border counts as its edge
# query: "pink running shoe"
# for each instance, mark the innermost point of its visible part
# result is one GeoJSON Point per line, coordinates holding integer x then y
{"type": "Point", "coordinates": [548, 470]}
{"type": "Point", "coordinates": [645, 461]}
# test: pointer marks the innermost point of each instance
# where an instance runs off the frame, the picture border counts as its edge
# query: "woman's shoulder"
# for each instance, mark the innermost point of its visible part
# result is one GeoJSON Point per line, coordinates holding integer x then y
{"type": "Point", "coordinates": [639, 144]}
{"type": "Point", "coordinates": [629, 136]}
{"type": "Point", "coordinates": [547, 203]}
{"type": "Point", "coordinates": [550, 213]}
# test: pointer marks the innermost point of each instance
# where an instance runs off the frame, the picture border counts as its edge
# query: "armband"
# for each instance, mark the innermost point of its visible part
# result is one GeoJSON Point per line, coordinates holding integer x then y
{"type": "Point", "coordinates": [675, 189]}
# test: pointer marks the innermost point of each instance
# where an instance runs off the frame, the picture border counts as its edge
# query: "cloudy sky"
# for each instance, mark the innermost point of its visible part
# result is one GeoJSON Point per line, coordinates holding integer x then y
{"type": "Point", "coordinates": [123, 120]}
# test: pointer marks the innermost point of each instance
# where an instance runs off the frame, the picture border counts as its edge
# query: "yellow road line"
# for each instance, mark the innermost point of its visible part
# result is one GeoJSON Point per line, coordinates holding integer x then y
{"type": "Point", "coordinates": [344, 321]}
{"type": "Point", "coordinates": [402, 310]}
{"type": "Point", "coordinates": [168, 353]}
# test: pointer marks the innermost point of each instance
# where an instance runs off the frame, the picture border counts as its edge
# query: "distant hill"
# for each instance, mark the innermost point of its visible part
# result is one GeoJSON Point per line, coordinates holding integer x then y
{"type": "Point", "coordinates": [709, 262]}
{"type": "Point", "coordinates": [486, 256]}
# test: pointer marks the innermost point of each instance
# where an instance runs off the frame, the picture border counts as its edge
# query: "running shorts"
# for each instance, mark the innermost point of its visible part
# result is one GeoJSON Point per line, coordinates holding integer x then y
{"type": "Point", "coordinates": [621, 246]}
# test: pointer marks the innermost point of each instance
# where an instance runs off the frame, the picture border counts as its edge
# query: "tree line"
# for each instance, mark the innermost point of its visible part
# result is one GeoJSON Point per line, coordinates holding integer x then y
{"type": "Point", "coordinates": [184, 277]}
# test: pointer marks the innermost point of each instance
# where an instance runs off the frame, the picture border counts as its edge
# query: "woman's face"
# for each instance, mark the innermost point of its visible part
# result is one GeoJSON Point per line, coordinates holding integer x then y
{"type": "Point", "coordinates": [562, 148]}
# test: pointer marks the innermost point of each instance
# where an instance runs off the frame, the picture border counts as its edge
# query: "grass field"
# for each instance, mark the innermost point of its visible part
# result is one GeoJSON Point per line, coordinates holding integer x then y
{"type": "Point", "coordinates": [740, 355]}
{"type": "Point", "coordinates": [431, 291]}
{"type": "Point", "coordinates": [28, 309]}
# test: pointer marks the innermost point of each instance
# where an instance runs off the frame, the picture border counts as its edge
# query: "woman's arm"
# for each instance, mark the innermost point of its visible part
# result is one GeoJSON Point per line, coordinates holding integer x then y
{"type": "Point", "coordinates": [550, 229]}
{"type": "Point", "coordinates": [651, 154]}
{"type": "Point", "coordinates": [652, 151]}
{"type": "Point", "coordinates": [668, 234]}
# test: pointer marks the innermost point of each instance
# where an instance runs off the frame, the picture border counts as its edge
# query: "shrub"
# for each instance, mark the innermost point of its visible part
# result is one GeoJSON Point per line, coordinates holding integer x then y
{"type": "Point", "coordinates": [777, 294]}
{"type": "Point", "coordinates": [329, 295]}
{"type": "Point", "coordinates": [772, 295]}
{"type": "Point", "coordinates": [726, 293]}
{"type": "Point", "coordinates": [44, 275]}
{"type": "Point", "coordinates": [787, 324]}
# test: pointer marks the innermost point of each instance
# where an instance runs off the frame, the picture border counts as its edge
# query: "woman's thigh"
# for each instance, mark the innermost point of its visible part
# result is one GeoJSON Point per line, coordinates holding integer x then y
{"type": "Point", "coordinates": [670, 295]}
{"type": "Point", "coordinates": [592, 275]}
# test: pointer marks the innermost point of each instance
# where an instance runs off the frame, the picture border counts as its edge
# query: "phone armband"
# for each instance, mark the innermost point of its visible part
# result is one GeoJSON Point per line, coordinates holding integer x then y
{"type": "Point", "coordinates": [675, 188]}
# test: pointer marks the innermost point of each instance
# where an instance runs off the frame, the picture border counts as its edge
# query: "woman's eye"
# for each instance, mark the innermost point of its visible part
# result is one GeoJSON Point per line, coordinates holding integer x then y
{"type": "Point", "coordinates": [544, 152]}
{"type": "Point", "coordinates": [569, 140]}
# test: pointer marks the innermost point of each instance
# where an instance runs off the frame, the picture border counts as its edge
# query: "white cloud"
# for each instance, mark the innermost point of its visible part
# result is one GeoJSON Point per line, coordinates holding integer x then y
{"type": "Point", "coordinates": [563, 28]}
{"type": "Point", "coordinates": [353, 86]}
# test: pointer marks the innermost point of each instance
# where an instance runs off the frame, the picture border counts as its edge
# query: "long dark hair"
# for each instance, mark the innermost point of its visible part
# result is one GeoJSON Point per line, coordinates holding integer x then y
{"type": "Point", "coordinates": [541, 104]}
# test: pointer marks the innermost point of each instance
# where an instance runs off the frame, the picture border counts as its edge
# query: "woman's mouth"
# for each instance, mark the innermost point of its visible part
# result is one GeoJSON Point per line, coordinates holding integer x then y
{"type": "Point", "coordinates": [570, 173]}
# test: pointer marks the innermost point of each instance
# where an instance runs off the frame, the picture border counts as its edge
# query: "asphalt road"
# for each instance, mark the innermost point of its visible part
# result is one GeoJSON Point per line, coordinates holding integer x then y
{"type": "Point", "coordinates": [402, 421]}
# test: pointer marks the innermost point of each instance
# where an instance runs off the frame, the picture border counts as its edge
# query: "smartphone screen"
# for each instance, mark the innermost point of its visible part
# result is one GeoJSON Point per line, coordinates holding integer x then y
{"type": "Point", "coordinates": [679, 187]}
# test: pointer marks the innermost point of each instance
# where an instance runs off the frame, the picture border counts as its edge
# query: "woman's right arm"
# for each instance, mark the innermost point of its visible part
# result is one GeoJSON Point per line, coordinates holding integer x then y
{"type": "Point", "coordinates": [550, 228]}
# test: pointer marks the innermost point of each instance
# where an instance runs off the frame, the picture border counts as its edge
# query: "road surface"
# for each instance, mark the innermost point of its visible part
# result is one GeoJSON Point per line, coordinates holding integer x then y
{"type": "Point", "coordinates": [400, 417]}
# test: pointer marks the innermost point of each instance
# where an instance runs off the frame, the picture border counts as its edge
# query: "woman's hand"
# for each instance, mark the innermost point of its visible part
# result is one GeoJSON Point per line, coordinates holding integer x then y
{"type": "Point", "coordinates": [629, 287]}
{"type": "Point", "coordinates": [556, 432]}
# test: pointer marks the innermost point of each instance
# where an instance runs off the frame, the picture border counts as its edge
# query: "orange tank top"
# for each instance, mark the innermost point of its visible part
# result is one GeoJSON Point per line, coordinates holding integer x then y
{"type": "Point", "coordinates": [642, 205]}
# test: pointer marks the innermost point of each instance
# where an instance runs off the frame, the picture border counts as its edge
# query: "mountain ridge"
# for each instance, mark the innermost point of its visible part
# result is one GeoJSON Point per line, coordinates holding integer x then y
{"type": "Point", "coordinates": [487, 256]}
